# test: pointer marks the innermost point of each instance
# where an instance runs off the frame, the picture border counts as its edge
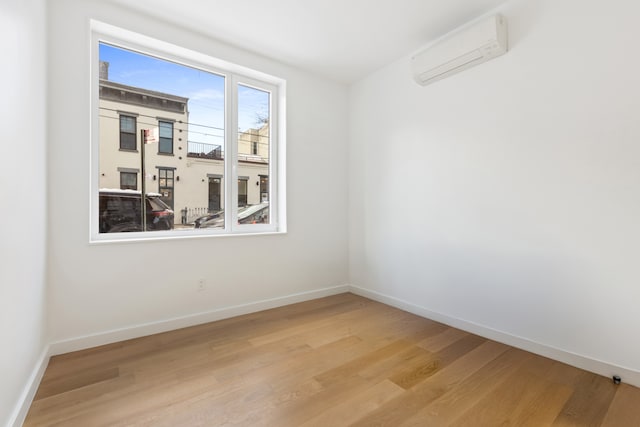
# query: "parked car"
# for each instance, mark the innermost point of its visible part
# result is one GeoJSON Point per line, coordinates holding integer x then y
{"type": "Point", "coordinates": [201, 222]}
{"type": "Point", "coordinates": [251, 214]}
{"type": "Point", "coordinates": [120, 211]}
{"type": "Point", "coordinates": [254, 214]}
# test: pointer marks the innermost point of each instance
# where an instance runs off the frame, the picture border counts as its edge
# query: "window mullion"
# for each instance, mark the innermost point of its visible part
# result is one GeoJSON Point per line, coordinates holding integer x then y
{"type": "Point", "coordinates": [231, 156]}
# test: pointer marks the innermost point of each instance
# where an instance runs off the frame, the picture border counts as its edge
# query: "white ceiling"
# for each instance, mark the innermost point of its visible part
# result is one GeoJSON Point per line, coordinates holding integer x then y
{"type": "Point", "coordinates": [341, 39]}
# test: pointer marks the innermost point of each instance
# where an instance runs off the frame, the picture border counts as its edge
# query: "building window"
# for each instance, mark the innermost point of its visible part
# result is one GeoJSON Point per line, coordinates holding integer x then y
{"type": "Point", "coordinates": [187, 108]}
{"type": "Point", "coordinates": [128, 181]}
{"type": "Point", "coordinates": [214, 193]}
{"type": "Point", "coordinates": [127, 133]}
{"type": "Point", "coordinates": [165, 143]}
{"type": "Point", "coordinates": [165, 185]}
{"type": "Point", "coordinates": [264, 189]}
{"type": "Point", "coordinates": [243, 185]}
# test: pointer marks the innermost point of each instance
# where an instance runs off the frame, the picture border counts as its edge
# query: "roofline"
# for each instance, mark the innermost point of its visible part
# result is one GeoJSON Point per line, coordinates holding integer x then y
{"type": "Point", "coordinates": [141, 91]}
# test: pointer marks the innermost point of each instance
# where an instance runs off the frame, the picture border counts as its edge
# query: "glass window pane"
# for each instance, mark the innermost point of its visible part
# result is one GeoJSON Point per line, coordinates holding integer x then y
{"type": "Point", "coordinates": [128, 141]}
{"type": "Point", "coordinates": [165, 144]}
{"type": "Point", "coordinates": [127, 133]}
{"type": "Point", "coordinates": [128, 181]}
{"type": "Point", "coordinates": [166, 129]}
{"type": "Point", "coordinates": [127, 124]}
{"type": "Point", "coordinates": [188, 107]}
{"type": "Point", "coordinates": [254, 138]}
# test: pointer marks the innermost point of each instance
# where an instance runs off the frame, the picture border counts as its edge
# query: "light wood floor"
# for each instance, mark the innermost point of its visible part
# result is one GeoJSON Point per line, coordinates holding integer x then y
{"type": "Point", "coordinates": [336, 361]}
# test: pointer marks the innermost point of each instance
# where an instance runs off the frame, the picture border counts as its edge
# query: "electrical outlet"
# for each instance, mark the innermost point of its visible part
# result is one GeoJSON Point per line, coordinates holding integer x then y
{"type": "Point", "coordinates": [202, 285]}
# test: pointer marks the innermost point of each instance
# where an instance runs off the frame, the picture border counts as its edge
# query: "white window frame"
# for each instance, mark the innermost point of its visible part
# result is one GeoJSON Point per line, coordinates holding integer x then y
{"type": "Point", "coordinates": [234, 75]}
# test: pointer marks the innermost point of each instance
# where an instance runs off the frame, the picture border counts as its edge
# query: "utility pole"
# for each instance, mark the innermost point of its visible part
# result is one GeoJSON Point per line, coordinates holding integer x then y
{"type": "Point", "coordinates": [147, 136]}
{"type": "Point", "coordinates": [143, 186]}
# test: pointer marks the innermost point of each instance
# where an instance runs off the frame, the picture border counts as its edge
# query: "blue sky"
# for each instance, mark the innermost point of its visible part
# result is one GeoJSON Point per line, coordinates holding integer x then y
{"type": "Point", "coordinates": [205, 91]}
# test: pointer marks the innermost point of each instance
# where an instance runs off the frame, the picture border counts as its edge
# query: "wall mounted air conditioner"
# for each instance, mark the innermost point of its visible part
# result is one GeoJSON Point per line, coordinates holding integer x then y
{"type": "Point", "coordinates": [460, 50]}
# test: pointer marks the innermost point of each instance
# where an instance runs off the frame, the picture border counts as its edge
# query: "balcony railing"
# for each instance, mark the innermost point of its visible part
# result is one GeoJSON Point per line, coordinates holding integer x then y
{"type": "Point", "coordinates": [253, 158]}
{"type": "Point", "coordinates": [204, 151]}
{"type": "Point", "coordinates": [201, 150]}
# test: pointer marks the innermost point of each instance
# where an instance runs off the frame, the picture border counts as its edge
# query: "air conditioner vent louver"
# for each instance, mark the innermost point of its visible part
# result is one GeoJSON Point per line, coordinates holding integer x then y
{"type": "Point", "coordinates": [462, 49]}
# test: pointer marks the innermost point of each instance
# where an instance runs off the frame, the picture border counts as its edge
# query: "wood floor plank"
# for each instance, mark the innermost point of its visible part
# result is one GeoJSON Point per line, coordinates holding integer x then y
{"type": "Point", "coordinates": [453, 402]}
{"type": "Point", "coordinates": [541, 410]}
{"type": "Point", "coordinates": [233, 329]}
{"type": "Point", "coordinates": [624, 408]}
{"type": "Point", "coordinates": [57, 404]}
{"type": "Point", "coordinates": [351, 409]}
{"type": "Point", "coordinates": [589, 403]}
{"type": "Point", "coordinates": [398, 410]}
{"type": "Point", "coordinates": [79, 380]}
{"type": "Point", "coordinates": [444, 339]}
{"type": "Point", "coordinates": [335, 361]}
{"type": "Point", "coordinates": [352, 368]}
{"type": "Point", "coordinates": [515, 393]}
{"type": "Point", "coordinates": [289, 382]}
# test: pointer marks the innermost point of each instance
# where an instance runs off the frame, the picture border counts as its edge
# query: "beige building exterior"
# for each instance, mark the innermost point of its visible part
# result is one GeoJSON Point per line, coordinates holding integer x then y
{"type": "Point", "coordinates": [189, 175]}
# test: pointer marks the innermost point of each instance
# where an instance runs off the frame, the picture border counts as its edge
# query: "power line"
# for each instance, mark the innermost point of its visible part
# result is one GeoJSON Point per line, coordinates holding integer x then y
{"type": "Point", "coordinates": [155, 124]}
{"type": "Point", "coordinates": [139, 122]}
{"type": "Point", "coordinates": [155, 117]}
{"type": "Point", "coordinates": [178, 121]}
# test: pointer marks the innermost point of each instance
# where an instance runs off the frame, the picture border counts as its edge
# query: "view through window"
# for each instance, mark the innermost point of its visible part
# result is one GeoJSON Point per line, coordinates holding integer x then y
{"type": "Point", "coordinates": [163, 134]}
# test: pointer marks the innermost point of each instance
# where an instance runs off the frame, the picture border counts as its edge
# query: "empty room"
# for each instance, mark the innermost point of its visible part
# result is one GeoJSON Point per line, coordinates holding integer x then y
{"type": "Point", "coordinates": [287, 213]}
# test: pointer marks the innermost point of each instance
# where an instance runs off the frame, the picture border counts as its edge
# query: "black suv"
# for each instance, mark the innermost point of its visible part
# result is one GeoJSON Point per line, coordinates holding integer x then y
{"type": "Point", "coordinates": [120, 211]}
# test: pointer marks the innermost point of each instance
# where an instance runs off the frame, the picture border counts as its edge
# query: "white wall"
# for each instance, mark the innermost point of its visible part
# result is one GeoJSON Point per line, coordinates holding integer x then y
{"type": "Point", "coordinates": [24, 200]}
{"type": "Point", "coordinates": [100, 288]}
{"type": "Point", "coordinates": [506, 198]}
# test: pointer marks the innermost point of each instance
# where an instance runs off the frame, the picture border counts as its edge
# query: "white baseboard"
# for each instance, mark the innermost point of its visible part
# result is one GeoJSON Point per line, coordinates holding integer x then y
{"type": "Point", "coordinates": [630, 376]}
{"type": "Point", "coordinates": [29, 391]}
{"type": "Point", "coordinates": [137, 331]}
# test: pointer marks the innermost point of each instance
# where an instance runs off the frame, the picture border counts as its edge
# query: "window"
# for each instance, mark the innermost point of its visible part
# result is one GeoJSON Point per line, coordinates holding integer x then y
{"type": "Point", "coordinates": [127, 132]}
{"type": "Point", "coordinates": [165, 185]}
{"type": "Point", "coordinates": [243, 184]}
{"type": "Point", "coordinates": [128, 180]}
{"type": "Point", "coordinates": [165, 142]}
{"type": "Point", "coordinates": [216, 125]}
{"type": "Point", "coordinates": [214, 193]}
{"type": "Point", "coordinates": [264, 188]}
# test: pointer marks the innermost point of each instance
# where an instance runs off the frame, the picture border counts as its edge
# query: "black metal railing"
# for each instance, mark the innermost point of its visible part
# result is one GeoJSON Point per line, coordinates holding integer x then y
{"type": "Point", "coordinates": [189, 215]}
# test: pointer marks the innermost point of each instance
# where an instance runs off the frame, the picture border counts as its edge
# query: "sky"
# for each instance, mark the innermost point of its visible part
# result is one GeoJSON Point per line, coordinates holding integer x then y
{"type": "Point", "coordinates": [205, 91]}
